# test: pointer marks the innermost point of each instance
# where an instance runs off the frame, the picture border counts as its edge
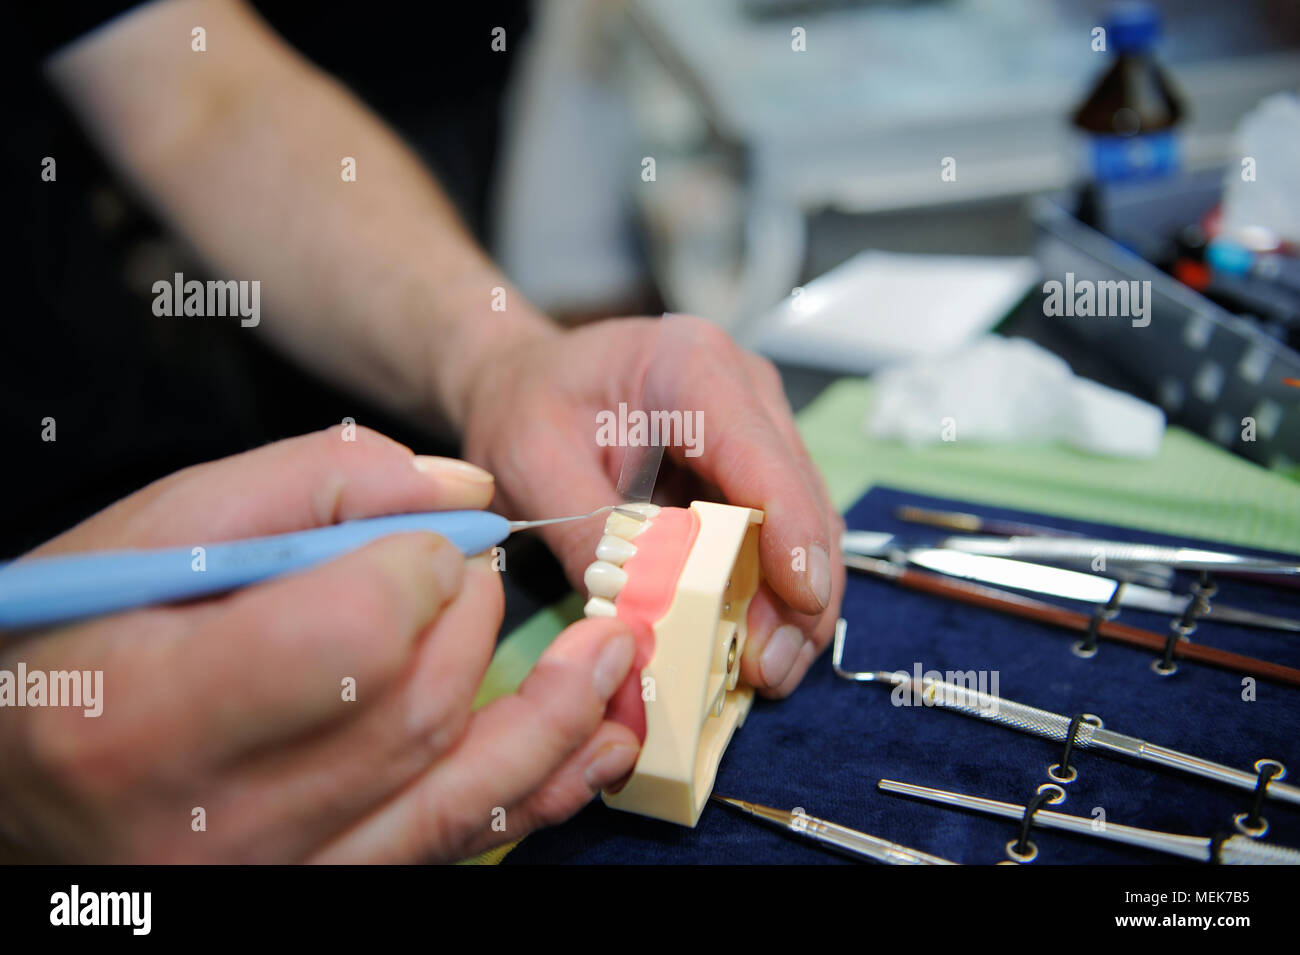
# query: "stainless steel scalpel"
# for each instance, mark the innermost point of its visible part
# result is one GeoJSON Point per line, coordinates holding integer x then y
{"type": "Point", "coordinates": [1054, 726]}
{"type": "Point", "coordinates": [837, 837]}
{"type": "Point", "coordinates": [1053, 581]}
{"type": "Point", "coordinates": [1075, 585]}
{"type": "Point", "coordinates": [1073, 549]}
{"type": "Point", "coordinates": [1235, 850]}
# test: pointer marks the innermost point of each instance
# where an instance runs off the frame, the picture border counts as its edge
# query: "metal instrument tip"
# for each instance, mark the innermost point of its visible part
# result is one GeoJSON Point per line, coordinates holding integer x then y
{"type": "Point", "coordinates": [616, 508]}
{"type": "Point", "coordinates": [728, 801]}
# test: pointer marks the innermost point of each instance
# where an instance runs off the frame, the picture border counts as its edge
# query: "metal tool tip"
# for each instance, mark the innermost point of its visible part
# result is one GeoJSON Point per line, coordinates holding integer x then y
{"type": "Point", "coordinates": [529, 525]}
{"type": "Point", "coordinates": [728, 801]}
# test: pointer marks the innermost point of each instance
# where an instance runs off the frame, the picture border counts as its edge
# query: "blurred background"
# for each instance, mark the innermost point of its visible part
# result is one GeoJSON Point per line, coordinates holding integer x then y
{"type": "Point", "coordinates": [773, 166]}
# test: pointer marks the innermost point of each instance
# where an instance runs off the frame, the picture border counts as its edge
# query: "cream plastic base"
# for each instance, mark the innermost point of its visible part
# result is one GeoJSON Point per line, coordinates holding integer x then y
{"type": "Point", "coordinates": [693, 700]}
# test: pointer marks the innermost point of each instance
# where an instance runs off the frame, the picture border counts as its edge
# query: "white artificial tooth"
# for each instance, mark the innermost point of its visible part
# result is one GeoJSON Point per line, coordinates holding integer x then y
{"type": "Point", "coordinates": [616, 550]}
{"type": "Point", "coordinates": [600, 607]}
{"type": "Point", "coordinates": [642, 507]}
{"type": "Point", "coordinates": [621, 525]}
{"type": "Point", "coordinates": [603, 579]}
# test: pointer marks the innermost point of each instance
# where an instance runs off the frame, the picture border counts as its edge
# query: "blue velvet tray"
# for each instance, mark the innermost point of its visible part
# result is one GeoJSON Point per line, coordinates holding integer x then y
{"type": "Point", "coordinates": [826, 747]}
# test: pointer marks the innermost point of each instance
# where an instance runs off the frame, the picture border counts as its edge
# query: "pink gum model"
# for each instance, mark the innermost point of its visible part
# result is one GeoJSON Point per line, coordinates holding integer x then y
{"type": "Point", "coordinates": [682, 579]}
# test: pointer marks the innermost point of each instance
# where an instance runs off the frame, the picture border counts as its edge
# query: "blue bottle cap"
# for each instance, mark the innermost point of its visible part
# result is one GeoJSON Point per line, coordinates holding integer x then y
{"type": "Point", "coordinates": [1229, 257]}
{"type": "Point", "coordinates": [1132, 27]}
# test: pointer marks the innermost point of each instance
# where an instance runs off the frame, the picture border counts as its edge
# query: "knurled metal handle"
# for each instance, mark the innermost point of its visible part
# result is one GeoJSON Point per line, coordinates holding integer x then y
{"type": "Point", "coordinates": [994, 709]}
{"type": "Point", "coordinates": [1242, 850]}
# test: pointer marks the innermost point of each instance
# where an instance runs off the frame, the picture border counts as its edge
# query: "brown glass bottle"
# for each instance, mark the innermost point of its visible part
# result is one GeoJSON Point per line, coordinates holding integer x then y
{"type": "Point", "coordinates": [1131, 116]}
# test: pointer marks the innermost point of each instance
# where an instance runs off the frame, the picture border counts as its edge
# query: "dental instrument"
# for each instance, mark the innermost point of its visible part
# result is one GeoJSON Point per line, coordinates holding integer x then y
{"type": "Point", "coordinates": [1234, 850]}
{"type": "Point", "coordinates": [1120, 552]}
{"type": "Point", "coordinates": [1154, 575]}
{"type": "Point", "coordinates": [974, 524]}
{"type": "Point", "coordinates": [1089, 734]}
{"type": "Point", "coordinates": [1031, 609]}
{"type": "Point", "coordinates": [44, 590]}
{"type": "Point", "coordinates": [1055, 581]}
{"type": "Point", "coordinates": [846, 840]}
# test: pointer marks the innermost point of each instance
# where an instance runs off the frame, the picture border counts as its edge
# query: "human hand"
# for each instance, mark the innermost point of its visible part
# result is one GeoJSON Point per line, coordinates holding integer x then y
{"type": "Point", "coordinates": [531, 420]}
{"type": "Point", "coordinates": [227, 732]}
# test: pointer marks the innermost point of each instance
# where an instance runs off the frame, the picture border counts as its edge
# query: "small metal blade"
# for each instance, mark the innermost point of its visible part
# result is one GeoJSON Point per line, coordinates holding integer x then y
{"type": "Point", "coordinates": [528, 525]}
{"type": "Point", "coordinates": [1016, 574]}
{"type": "Point", "coordinates": [636, 481]}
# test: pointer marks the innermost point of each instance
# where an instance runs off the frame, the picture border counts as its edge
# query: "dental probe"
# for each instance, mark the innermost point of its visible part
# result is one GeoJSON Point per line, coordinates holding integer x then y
{"type": "Point", "coordinates": [1153, 575]}
{"type": "Point", "coordinates": [838, 837]}
{"type": "Point", "coordinates": [1235, 850]}
{"type": "Point", "coordinates": [1006, 601]}
{"type": "Point", "coordinates": [1121, 552]}
{"type": "Point", "coordinates": [46, 590]}
{"type": "Point", "coordinates": [1054, 726]}
{"type": "Point", "coordinates": [1053, 581]}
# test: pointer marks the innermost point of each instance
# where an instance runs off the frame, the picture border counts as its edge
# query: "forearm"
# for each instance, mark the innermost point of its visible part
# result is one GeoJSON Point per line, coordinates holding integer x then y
{"type": "Point", "coordinates": [373, 282]}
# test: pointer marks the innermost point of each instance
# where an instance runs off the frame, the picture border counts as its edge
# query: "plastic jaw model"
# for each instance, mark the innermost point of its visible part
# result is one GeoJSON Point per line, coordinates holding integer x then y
{"type": "Point", "coordinates": [682, 580]}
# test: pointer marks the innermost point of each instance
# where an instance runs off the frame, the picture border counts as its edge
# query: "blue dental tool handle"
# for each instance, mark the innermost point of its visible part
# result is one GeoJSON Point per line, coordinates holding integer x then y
{"type": "Point", "coordinates": [47, 590]}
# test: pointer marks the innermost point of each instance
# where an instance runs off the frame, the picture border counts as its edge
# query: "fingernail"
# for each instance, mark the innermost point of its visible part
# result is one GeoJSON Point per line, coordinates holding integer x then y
{"type": "Point", "coordinates": [611, 764]}
{"type": "Point", "coordinates": [617, 785]}
{"type": "Point", "coordinates": [819, 574]}
{"type": "Point", "coordinates": [615, 660]}
{"type": "Point", "coordinates": [779, 655]}
{"type": "Point", "coordinates": [452, 468]}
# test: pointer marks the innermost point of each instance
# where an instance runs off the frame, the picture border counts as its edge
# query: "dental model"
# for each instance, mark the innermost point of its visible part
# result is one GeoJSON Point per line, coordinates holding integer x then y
{"type": "Point", "coordinates": [682, 580]}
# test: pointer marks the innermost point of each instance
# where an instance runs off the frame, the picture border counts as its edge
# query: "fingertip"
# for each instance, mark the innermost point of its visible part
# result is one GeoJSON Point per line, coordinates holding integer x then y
{"type": "Point", "coordinates": [451, 467]}
{"type": "Point", "coordinates": [627, 706]}
{"type": "Point", "coordinates": [418, 556]}
{"type": "Point", "coordinates": [612, 768]}
{"type": "Point", "coordinates": [587, 632]}
{"type": "Point", "coordinates": [416, 573]}
{"type": "Point", "coordinates": [447, 566]}
{"type": "Point", "coordinates": [484, 575]}
{"type": "Point", "coordinates": [458, 484]}
{"type": "Point", "coordinates": [779, 641]}
{"type": "Point", "coordinates": [602, 647]}
{"type": "Point", "coordinates": [779, 655]}
{"type": "Point", "coordinates": [796, 559]}
{"type": "Point", "coordinates": [817, 578]}
{"type": "Point", "coordinates": [614, 752]}
{"type": "Point", "coordinates": [807, 654]}
{"type": "Point", "coordinates": [787, 574]}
